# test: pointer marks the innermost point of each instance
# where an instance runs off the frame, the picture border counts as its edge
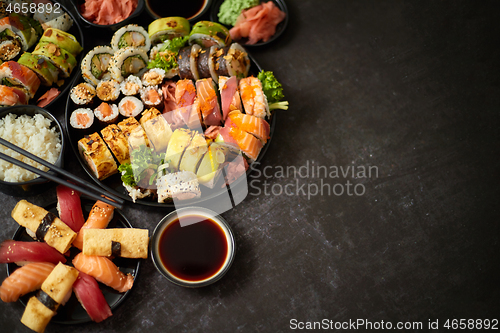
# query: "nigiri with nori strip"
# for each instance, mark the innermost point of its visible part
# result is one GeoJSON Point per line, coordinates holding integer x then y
{"type": "Point", "coordinates": [104, 271]}
{"type": "Point", "coordinates": [90, 296]}
{"type": "Point", "coordinates": [69, 207]}
{"type": "Point", "coordinates": [20, 252]}
{"type": "Point", "coordinates": [25, 280]}
{"type": "Point", "coordinates": [99, 217]}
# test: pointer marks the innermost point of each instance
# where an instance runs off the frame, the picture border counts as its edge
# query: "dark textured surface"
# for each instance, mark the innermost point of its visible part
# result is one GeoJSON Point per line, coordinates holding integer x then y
{"type": "Point", "coordinates": [411, 88]}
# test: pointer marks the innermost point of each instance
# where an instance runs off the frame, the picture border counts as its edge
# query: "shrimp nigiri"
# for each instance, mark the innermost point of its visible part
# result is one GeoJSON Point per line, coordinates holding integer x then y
{"type": "Point", "coordinates": [103, 270]}
{"type": "Point", "coordinates": [252, 95]}
{"type": "Point", "coordinates": [99, 218]}
{"type": "Point", "coordinates": [24, 280]}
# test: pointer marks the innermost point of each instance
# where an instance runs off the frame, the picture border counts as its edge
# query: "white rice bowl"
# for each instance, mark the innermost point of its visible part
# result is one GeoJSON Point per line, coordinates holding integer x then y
{"type": "Point", "coordinates": [33, 134]}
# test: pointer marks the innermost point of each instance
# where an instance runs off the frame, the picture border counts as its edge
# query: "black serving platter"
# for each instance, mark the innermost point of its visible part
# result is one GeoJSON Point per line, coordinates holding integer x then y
{"type": "Point", "coordinates": [114, 184]}
{"type": "Point", "coordinates": [72, 312]}
{"type": "Point", "coordinates": [76, 31]}
{"type": "Point", "coordinates": [214, 11]}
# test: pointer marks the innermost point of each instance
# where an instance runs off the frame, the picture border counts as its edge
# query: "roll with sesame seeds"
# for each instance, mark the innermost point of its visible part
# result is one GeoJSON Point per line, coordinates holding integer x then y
{"type": "Point", "coordinates": [128, 61]}
{"type": "Point", "coordinates": [82, 94]}
{"type": "Point", "coordinates": [95, 64]}
{"type": "Point", "coordinates": [131, 35]}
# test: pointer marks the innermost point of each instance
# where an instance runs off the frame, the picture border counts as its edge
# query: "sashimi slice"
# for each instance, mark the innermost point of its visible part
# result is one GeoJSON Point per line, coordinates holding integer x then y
{"type": "Point", "coordinates": [20, 252]}
{"type": "Point", "coordinates": [69, 207]}
{"type": "Point", "coordinates": [91, 298]}
{"type": "Point", "coordinates": [103, 270]}
{"type": "Point", "coordinates": [209, 105]}
{"type": "Point", "coordinates": [25, 280]}
{"type": "Point", "coordinates": [185, 92]}
{"type": "Point", "coordinates": [168, 88]}
{"type": "Point", "coordinates": [99, 218]}
{"type": "Point", "coordinates": [249, 144]}
{"type": "Point", "coordinates": [251, 124]}
{"type": "Point", "coordinates": [229, 95]}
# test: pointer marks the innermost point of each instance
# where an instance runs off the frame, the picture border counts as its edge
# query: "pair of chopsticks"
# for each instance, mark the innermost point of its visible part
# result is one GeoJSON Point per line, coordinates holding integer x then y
{"type": "Point", "coordinates": [106, 197]}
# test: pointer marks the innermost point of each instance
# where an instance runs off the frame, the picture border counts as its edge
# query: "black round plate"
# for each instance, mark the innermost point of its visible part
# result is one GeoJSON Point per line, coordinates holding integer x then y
{"type": "Point", "coordinates": [214, 11]}
{"type": "Point", "coordinates": [76, 31]}
{"type": "Point", "coordinates": [114, 184]}
{"type": "Point", "coordinates": [72, 312]}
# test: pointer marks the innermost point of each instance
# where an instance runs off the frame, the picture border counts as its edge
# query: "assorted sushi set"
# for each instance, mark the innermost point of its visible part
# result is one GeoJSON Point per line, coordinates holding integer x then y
{"type": "Point", "coordinates": [39, 52]}
{"type": "Point", "coordinates": [57, 252]}
{"type": "Point", "coordinates": [158, 114]}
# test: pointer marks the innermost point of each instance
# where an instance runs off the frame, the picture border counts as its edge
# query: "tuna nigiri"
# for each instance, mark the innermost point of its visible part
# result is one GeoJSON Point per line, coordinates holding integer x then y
{"type": "Point", "coordinates": [25, 280]}
{"type": "Point", "coordinates": [69, 207]}
{"type": "Point", "coordinates": [229, 95]}
{"type": "Point", "coordinates": [91, 298]}
{"type": "Point", "coordinates": [209, 105]}
{"type": "Point", "coordinates": [24, 252]}
{"type": "Point", "coordinates": [252, 95]}
{"type": "Point", "coordinates": [99, 218]}
{"type": "Point", "coordinates": [103, 270]}
{"type": "Point", "coordinates": [251, 124]}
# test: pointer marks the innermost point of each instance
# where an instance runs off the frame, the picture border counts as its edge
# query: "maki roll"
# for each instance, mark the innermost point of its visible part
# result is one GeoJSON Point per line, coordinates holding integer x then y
{"type": "Point", "coordinates": [131, 85]}
{"type": "Point", "coordinates": [95, 64]}
{"type": "Point", "coordinates": [152, 97]}
{"type": "Point", "coordinates": [59, 57]}
{"type": "Point", "coordinates": [207, 33]}
{"type": "Point", "coordinates": [14, 74]}
{"type": "Point", "coordinates": [10, 96]}
{"type": "Point", "coordinates": [46, 71]}
{"type": "Point", "coordinates": [166, 28]}
{"type": "Point", "coordinates": [187, 61]}
{"type": "Point", "coordinates": [130, 106]}
{"type": "Point", "coordinates": [133, 133]}
{"type": "Point", "coordinates": [232, 61]}
{"type": "Point", "coordinates": [206, 63]}
{"type": "Point", "coordinates": [131, 35]}
{"type": "Point", "coordinates": [54, 19]}
{"type": "Point", "coordinates": [153, 77]}
{"type": "Point", "coordinates": [106, 113]}
{"type": "Point", "coordinates": [108, 90]}
{"type": "Point", "coordinates": [18, 27]}
{"type": "Point", "coordinates": [63, 39]}
{"type": "Point", "coordinates": [117, 143]}
{"type": "Point", "coordinates": [82, 94]}
{"type": "Point", "coordinates": [97, 155]}
{"type": "Point", "coordinates": [10, 43]}
{"type": "Point", "coordinates": [81, 118]}
{"type": "Point", "coordinates": [127, 61]}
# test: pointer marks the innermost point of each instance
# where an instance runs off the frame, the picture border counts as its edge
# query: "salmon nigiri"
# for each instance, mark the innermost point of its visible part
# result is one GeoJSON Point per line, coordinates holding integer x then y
{"type": "Point", "coordinates": [99, 218]}
{"type": "Point", "coordinates": [209, 104]}
{"type": "Point", "coordinates": [251, 124]}
{"type": "Point", "coordinates": [104, 271]}
{"type": "Point", "coordinates": [24, 280]}
{"type": "Point", "coordinates": [249, 144]}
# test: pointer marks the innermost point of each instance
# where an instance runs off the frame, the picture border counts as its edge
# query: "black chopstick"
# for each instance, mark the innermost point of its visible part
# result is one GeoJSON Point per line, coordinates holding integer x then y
{"type": "Point", "coordinates": [113, 199]}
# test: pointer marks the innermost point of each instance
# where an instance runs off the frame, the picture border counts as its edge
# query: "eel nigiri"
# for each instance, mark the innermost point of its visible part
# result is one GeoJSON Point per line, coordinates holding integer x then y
{"type": "Point", "coordinates": [91, 298]}
{"type": "Point", "coordinates": [252, 95]}
{"type": "Point", "coordinates": [103, 270]}
{"type": "Point", "coordinates": [69, 207]}
{"type": "Point", "coordinates": [99, 218]}
{"type": "Point", "coordinates": [256, 126]}
{"type": "Point", "coordinates": [25, 280]}
{"type": "Point", "coordinates": [24, 252]}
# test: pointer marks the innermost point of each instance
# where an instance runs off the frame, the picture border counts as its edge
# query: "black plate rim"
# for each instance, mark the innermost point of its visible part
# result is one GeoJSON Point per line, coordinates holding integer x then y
{"type": "Point", "coordinates": [11, 267]}
{"type": "Point", "coordinates": [280, 28]}
{"type": "Point", "coordinates": [69, 81]}
{"type": "Point", "coordinates": [147, 202]}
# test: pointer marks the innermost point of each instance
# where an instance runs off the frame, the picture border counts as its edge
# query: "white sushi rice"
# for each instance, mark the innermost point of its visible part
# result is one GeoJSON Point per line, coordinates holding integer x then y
{"type": "Point", "coordinates": [33, 134]}
{"type": "Point", "coordinates": [153, 77]}
{"type": "Point", "coordinates": [131, 85]}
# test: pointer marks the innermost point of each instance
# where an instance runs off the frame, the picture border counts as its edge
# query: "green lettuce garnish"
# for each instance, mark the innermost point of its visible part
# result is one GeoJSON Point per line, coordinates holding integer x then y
{"type": "Point", "coordinates": [144, 163]}
{"type": "Point", "coordinates": [273, 90]}
{"type": "Point", "coordinates": [166, 58]}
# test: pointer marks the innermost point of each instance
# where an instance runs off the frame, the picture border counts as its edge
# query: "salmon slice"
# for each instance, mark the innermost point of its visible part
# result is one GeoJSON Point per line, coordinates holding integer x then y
{"type": "Point", "coordinates": [22, 75]}
{"type": "Point", "coordinates": [99, 218]}
{"type": "Point", "coordinates": [25, 280]}
{"type": "Point", "coordinates": [104, 271]}
{"type": "Point", "coordinates": [185, 92]}
{"type": "Point", "coordinates": [251, 124]}
{"type": "Point", "coordinates": [209, 106]}
{"type": "Point", "coordinates": [249, 144]}
{"type": "Point", "coordinates": [105, 109]}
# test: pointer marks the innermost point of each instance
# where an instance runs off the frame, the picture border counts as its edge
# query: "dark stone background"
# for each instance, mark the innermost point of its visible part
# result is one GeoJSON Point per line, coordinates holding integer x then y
{"type": "Point", "coordinates": [409, 87]}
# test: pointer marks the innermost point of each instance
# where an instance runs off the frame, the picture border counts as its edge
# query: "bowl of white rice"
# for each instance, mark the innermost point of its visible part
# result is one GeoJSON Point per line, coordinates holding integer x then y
{"type": "Point", "coordinates": [37, 131]}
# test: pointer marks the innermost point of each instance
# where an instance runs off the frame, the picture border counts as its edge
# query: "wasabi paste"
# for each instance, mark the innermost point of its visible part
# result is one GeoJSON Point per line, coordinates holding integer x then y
{"type": "Point", "coordinates": [231, 9]}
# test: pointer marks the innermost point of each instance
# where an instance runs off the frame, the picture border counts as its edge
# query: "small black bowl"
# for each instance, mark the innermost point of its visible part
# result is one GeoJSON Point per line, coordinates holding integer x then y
{"type": "Point", "coordinates": [214, 11]}
{"type": "Point", "coordinates": [37, 185]}
{"type": "Point", "coordinates": [86, 23]}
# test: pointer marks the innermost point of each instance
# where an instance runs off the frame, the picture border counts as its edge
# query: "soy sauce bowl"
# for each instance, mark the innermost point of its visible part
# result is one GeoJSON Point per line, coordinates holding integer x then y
{"type": "Point", "coordinates": [192, 247]}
